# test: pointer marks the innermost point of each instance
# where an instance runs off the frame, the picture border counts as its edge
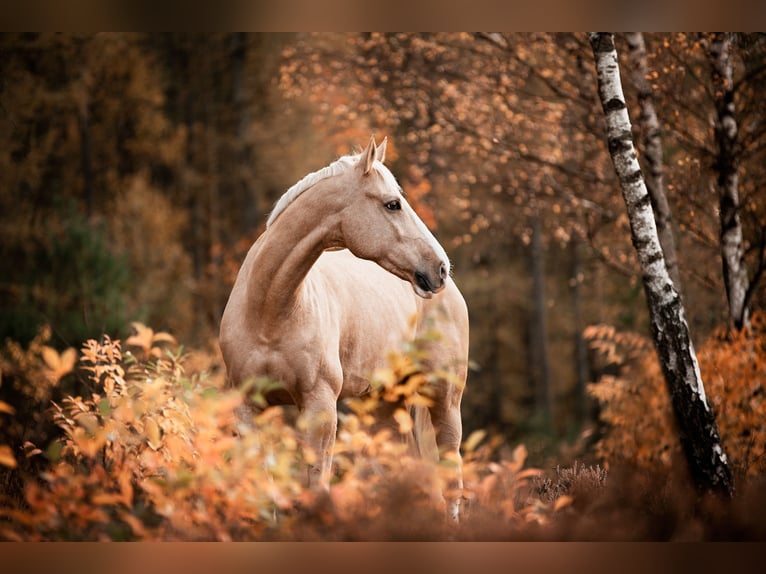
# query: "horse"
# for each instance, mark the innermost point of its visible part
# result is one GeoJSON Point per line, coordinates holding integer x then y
{"type": "Point", "coordinates": [343, 266]}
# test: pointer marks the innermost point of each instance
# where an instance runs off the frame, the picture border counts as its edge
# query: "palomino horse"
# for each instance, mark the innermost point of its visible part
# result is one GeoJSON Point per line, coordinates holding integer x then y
{"type": "Point", "coordinates": [334, 281]}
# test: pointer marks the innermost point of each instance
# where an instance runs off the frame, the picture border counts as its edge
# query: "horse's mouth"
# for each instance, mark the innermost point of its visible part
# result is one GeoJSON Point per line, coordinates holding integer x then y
{"type": "Point", "coordinates": [421, 293]}
{"type": "Point", "coordinates": [423, 286]}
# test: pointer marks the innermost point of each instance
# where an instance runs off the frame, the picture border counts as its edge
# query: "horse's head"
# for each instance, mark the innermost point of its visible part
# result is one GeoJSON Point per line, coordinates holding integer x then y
{"type": "Point", "coordinates": [378, 224]}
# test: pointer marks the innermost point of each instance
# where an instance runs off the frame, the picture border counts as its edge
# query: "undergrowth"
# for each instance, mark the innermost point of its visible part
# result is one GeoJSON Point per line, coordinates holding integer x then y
{"type": "Point", "coordinates": [157, 448]}
{"type": "Point", "coordinates": [142, 440]}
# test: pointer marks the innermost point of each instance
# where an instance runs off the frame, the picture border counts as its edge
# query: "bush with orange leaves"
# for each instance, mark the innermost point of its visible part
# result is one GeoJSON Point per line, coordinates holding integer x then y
{"type": "Point", "coordinates": [638, 424]}
{"type": "Point", "coordinates": [156, 453]}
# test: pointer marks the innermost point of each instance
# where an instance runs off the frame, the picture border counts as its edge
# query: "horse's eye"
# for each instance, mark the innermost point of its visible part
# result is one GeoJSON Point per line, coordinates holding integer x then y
{"type": "Point", "coordinates": [393, 205]}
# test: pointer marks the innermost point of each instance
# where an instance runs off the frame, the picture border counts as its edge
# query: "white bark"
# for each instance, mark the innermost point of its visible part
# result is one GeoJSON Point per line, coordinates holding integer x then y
{"type": "Point", "coordinates": [726, 164]}
{"type": "Point", "coordinates": [696, 423]}
{"type": "Point", "coordinates": [652, 153]}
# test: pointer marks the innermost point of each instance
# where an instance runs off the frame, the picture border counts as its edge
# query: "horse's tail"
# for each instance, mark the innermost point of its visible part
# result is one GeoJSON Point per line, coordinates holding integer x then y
{"type": "Point", "coordinates": [425, 437]}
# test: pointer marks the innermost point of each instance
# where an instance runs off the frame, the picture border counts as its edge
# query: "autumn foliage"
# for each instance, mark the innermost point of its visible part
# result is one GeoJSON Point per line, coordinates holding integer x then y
{"type": "Point", "coordinates": [155, 447]}
{"type": "Point", "coordinates": [158, 449]}
{"type": "Point", "coordinates": [637, 421]}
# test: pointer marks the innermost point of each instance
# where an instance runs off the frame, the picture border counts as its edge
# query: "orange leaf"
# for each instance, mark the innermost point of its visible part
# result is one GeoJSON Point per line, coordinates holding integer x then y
{"type": "Point", "coordinates": [6, 408]}
{"type": "Point", "coordinates": [152, 430]}
{"type": "Point", "coordinates": [126, 488]}
{"type": "Point", "coordinates": [6, 456]}
{"type": "Point", "coordinates": [106, 499]}
{"type": "Point", "coordinates": [518, 457]}
{"type": "Point", "coordinates": [562, 502]}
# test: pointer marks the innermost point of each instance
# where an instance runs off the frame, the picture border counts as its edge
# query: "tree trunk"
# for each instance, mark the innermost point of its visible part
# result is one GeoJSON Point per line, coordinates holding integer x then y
{"type": "Point", "coordinates": [240, 105]}
{"type": "Point", "coordinates": [86, 157]}
{"type": "Point", "coordinates": [540, 367]}
{"type": "Point", "coordinates": [698, 430]}
{"type": "Point", "coordinates": [726, 165]}
{"type": "Point", "coordinates": [580, 347]}
{"type": "Point", "coordinates": [652, 147]}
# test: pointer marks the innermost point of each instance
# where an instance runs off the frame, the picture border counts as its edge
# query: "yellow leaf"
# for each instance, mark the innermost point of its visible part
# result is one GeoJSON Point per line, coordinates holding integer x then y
{"type": "Point", "coordinates": [404, 420]}
{"type": "Point", "coordinates": [59, 364]}
{"type": "Point", "coordinates": [6, 408]}
{"type": "Point", "coordinates": [152, 431]}
{"type": "Point", "coordinates": [142, 337]}
{"type": "Point", "coordinates": [474, 439]}
{"type": "Point", "coordinates": [68, 360]}
{"type": "Point", "coordinates": [51, 358]}
{"type": "Point", "coordinates": [163, 337]}
{"type": "Point", "coordinates": [6, 456]}
{"type": "Point", "coordinates": [88, 421]}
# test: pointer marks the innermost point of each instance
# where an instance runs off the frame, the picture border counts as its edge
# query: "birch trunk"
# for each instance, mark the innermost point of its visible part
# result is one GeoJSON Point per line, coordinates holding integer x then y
{"type": "Point", "coordinates": [652, 147]}
{"type": "Point", "coordinates": [698, 430]}
{"type": "Point", "coordinates": [726, 165]}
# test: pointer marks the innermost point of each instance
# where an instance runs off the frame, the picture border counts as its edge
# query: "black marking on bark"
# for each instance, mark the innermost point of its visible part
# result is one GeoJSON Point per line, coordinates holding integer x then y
{"type": "Point", "coordinates": [614, 105]}
{"type": "Point", "coordinates": [602, 42]}
{"type": "Point", "coordinates": [620, 143]}
{"type": "Point", "coordinates": [654, 257]}
{"type": "Point", "coordinates": [697, 428]}
{"type": "Point", "coordinates": [634, 177]}
{"type": "Point", "coordinates": [639, 203]}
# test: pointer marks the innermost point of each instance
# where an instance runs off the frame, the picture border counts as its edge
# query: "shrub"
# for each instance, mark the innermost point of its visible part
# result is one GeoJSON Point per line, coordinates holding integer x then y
{"type": "Point", "coordinates": [635, 411]}
{"type": "Point", "coordinates": [152, 452]}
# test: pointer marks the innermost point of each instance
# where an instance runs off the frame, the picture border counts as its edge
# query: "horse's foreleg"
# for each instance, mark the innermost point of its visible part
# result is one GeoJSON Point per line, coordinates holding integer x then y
{"type": "Point", "coordinates": [319, 422]}
{"type": "Point", "coordinates": [448, 427]}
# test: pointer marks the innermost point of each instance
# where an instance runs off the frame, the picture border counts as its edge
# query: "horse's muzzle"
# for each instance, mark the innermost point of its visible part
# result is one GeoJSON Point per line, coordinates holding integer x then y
{"type": "Point", "coordinates": [428, 285]}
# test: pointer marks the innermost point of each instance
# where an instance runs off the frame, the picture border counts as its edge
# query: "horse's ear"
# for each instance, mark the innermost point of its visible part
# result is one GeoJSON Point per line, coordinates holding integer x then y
{"type": "Point", "coordinates": [381, 155]}
{"type": "Point", "coordinates": [368, 156]}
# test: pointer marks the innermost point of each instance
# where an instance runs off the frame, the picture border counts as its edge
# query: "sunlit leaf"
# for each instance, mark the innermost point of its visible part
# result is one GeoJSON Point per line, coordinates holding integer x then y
{"type": "Point", "coordinates": [562, 502]}
{"type": "Point", "coordinates": [152, 431]}
{"type": "Point", "coordinates": [6, 408]}
{"type": "Point", "coordinates": [6, 456]}
{"type": "Point", "coordinates": [473, 440]}
{"type": "Point", "coordinates": [518, 457]}
{"type": "Point", "coordinates": [404, 420]}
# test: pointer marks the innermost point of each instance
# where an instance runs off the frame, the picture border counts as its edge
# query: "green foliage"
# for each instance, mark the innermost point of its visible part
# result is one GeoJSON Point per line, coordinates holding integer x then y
{"type": "Point", "coordinates": [70, 280]}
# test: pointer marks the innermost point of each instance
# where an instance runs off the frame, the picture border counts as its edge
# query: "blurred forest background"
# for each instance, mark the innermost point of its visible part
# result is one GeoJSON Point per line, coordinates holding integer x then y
{"type": "Point", "coordinates": [137, 169]}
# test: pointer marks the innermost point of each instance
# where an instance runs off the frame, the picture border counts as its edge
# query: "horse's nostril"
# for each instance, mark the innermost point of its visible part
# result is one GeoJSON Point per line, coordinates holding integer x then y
{"type": "Point", "coordinates": [443, 272]}
{"type": "Point", "coordinates": [423, 281]}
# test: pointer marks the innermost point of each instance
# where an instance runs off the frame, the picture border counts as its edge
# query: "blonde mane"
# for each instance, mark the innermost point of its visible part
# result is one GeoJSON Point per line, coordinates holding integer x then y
{"type": "Point", "coordinates": [335, 168]}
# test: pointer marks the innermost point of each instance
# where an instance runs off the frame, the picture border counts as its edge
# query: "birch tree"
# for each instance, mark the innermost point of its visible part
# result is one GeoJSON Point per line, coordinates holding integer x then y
{"type": "Point", "coordinates": [726, 165]}
{"type": "Point", "coordinates": [698, 430]}
{"type": "Point", "coordinates": [652, 153]}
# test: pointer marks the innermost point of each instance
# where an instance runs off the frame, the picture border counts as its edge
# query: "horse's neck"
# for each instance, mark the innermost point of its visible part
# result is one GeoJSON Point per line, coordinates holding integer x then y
{"type": "Point", "coordinates": [290, 247]}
